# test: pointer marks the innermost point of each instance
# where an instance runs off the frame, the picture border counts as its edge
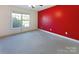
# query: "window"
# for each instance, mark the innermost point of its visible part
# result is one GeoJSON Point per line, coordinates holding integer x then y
{"type": "Point", "coordinates": [25, 20]}
{"type": "Point", "coordinates": [20, 20]}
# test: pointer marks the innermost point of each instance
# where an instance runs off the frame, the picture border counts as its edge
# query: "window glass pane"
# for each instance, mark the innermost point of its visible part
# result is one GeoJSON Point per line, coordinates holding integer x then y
{"type": "Point", "coordinates": [16, 23]}
{"type": "Point", "coordinates": [25, 17]}
{"type": "Point", "coordinates": [25, 23]}
{"type": "Point", "coordinates": [17, 16]}
{"type": "Point", "coordinates": [16, 20]}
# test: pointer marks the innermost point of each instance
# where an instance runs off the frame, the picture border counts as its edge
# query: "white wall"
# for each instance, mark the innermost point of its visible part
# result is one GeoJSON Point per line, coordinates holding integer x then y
{"type": "Point", "coordinates": [5, 20]}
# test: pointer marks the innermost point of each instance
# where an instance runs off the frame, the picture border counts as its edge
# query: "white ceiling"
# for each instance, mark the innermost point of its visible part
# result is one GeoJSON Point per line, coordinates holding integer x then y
{"type": "Point", "coordinates": [37, 7]}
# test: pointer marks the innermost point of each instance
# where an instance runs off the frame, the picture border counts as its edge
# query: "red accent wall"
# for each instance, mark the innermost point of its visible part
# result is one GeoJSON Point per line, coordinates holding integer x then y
{"type": "Point", "coordinates": [60, 19]}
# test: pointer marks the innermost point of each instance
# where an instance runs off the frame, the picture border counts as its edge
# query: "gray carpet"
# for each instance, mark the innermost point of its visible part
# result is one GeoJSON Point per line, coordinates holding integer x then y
{"type": "Point", "coordinates": [37, 42]}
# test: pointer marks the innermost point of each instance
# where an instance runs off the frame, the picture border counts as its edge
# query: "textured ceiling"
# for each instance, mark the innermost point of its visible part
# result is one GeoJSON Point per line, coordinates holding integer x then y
{"type": "Point", "coordinates": [37, 7]}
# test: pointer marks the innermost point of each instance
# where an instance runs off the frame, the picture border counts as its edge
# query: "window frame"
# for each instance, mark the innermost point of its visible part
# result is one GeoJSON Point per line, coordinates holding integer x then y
{"type": "Point", "coordinates": [21, 20]}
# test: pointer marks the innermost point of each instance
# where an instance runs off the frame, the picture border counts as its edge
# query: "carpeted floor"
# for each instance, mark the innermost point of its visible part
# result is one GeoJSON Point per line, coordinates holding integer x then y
{"type": "Point", "coordinates": [37, 42]}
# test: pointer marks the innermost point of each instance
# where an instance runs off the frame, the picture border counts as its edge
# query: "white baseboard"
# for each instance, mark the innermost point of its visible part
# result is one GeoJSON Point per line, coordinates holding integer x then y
{"type": "Point", "coordinates": [64, 37]}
